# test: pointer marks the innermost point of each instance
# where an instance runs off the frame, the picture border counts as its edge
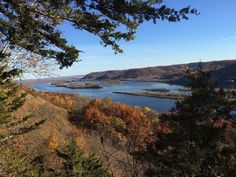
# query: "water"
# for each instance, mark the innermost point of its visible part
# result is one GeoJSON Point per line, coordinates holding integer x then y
{"type": "Point", "coordinates": [158, 104]}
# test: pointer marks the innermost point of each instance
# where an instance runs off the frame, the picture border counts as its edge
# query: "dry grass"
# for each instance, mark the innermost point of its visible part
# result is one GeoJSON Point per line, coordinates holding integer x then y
{"type": "Point", "coordinates": [58, 125]}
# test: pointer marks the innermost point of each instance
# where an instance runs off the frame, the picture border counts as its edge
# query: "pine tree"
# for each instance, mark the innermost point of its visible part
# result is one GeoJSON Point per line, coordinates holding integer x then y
{"type": "Point", "coordinates": [76, 164]}
{"type": "Point", "coordinates": [11, 99]}
{"type": "Point", "coordinates": [205, 102]}
{"type": "Point", "coordinates": [195, 147]}
{"type": "Point", "coordinates": [12, 162]}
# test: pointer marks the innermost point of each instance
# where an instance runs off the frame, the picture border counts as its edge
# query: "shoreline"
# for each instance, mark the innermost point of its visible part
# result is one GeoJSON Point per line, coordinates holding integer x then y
{"type": "Point", "coordinates": [155, 95]}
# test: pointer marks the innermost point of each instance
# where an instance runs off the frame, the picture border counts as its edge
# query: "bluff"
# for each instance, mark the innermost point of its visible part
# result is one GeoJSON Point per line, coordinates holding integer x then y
{"type": "Point", "coordinates": [224, 72]}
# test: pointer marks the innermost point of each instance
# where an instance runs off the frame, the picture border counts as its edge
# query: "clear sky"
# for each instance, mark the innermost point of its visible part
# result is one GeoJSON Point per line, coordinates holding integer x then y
{"type": "Point", "coordinates": [208, 36]}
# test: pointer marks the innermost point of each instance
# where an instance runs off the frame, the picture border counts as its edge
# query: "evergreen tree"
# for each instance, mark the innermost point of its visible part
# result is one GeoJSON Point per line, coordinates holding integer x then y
{"type": "Point", "coordinates": [205, 102]}
{"type": "Point", "coordinates": [195, 147]}
{"type": "Point", "coordinates": [12, 162]}
{"type": "Point", "coordinates": [11, 99]}
{"type": "Point", "coordinates": [31, 24]}
{"type": "Point", "coordinates": [76, 164]}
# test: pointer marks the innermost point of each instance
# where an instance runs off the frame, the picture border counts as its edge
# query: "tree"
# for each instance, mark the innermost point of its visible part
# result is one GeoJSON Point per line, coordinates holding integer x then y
{"type": "Point", "coordinates": [11, 99]}
{"type": "Point", "coordinates": [122, 122]}
{"type": "Point", "coordinates": [52, 142]}
{"type": "Point", "coordinates": [195, 146]}
{"type": "Point", "coordinates": [30, 27]}
{"type": "Point", "coordinates": [12, 162]}
{"type": "Point", "coordinates": [8, 90]}
{"type": "Point", "coordinates": [205, 101]}
{"type": "Point", "coordinates": [76, 164]}
{"type": "Point", "coordinates": [31, 24]}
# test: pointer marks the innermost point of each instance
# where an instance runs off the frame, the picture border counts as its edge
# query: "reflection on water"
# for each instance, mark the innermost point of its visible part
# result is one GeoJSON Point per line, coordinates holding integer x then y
{"type": "Point", "coordinates": [158, 104]}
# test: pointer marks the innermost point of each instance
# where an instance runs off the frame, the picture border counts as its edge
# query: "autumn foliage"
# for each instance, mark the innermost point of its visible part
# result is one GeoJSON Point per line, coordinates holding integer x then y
{"type": "Point", "coordinates": [126, 123]}
{"type": "Point", "coordinates": [62, 100]}
{"type": "Point", "coordinates": [121, 122]}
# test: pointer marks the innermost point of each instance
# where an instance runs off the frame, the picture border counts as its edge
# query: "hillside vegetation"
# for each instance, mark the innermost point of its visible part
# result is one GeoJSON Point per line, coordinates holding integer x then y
{"type": "Point", "coordinates": [224, 72]}
{"type": "Point", "coordinates": [114, 139]}
{"type": "Point", "coordinates": [111, 131]}
{"type": "Point", "coordinates": [108, 130]}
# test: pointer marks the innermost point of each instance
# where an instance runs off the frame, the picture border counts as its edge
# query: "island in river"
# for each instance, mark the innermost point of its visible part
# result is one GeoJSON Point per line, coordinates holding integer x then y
{"type": "Point", "coordinates": [157, 95]}
{"type": "Point", "coordinates": [135, 81]}
{"type": "Point", "coordinates": [78, 85]}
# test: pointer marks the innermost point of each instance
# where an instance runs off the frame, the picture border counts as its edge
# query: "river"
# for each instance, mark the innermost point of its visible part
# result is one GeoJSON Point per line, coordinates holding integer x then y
{"type": "Point", "coordinates": [158, 104]}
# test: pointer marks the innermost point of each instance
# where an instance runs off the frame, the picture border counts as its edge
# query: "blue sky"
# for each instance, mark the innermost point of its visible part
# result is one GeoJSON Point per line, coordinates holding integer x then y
{"type": "Point", "coordinates": [208, 36]}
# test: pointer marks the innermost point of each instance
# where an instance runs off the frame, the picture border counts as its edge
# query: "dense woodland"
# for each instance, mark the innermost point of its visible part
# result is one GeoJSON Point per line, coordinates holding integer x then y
{"type": "Point", "coordinates": [66, 135]}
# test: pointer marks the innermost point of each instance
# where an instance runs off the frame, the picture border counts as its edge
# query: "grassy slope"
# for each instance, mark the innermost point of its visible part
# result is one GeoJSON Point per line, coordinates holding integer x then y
{"type": "Point", "coordinates": [58, 124]}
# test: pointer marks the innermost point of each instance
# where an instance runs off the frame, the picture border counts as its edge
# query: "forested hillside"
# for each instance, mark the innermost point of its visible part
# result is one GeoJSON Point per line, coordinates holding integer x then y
{"type": "Point", "coordinates": [119, 140]}
{"type": "Point", "coordinates": [46, 134]}
{"type": "Point", "coordinates": [224, 72]}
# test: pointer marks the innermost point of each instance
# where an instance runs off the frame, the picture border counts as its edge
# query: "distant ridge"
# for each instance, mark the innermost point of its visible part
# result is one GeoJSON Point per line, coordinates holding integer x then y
{"type": "Point", "coordinates": [30, 82]}
{"type": "Point", "coordinates": [224, 72]}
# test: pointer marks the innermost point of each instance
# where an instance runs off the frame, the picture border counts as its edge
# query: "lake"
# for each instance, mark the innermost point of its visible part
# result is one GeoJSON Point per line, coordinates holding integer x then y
{"type": "Point", "coordinates": [158, 104]}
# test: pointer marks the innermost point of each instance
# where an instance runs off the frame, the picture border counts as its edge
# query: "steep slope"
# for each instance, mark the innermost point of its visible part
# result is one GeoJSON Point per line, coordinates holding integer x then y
{"type": "Point", "coordinates": [58, 130]}
{"type": "Point", "coordinates": [56, 124]}
{"type": "Point", "coordinates": [150, 73]}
